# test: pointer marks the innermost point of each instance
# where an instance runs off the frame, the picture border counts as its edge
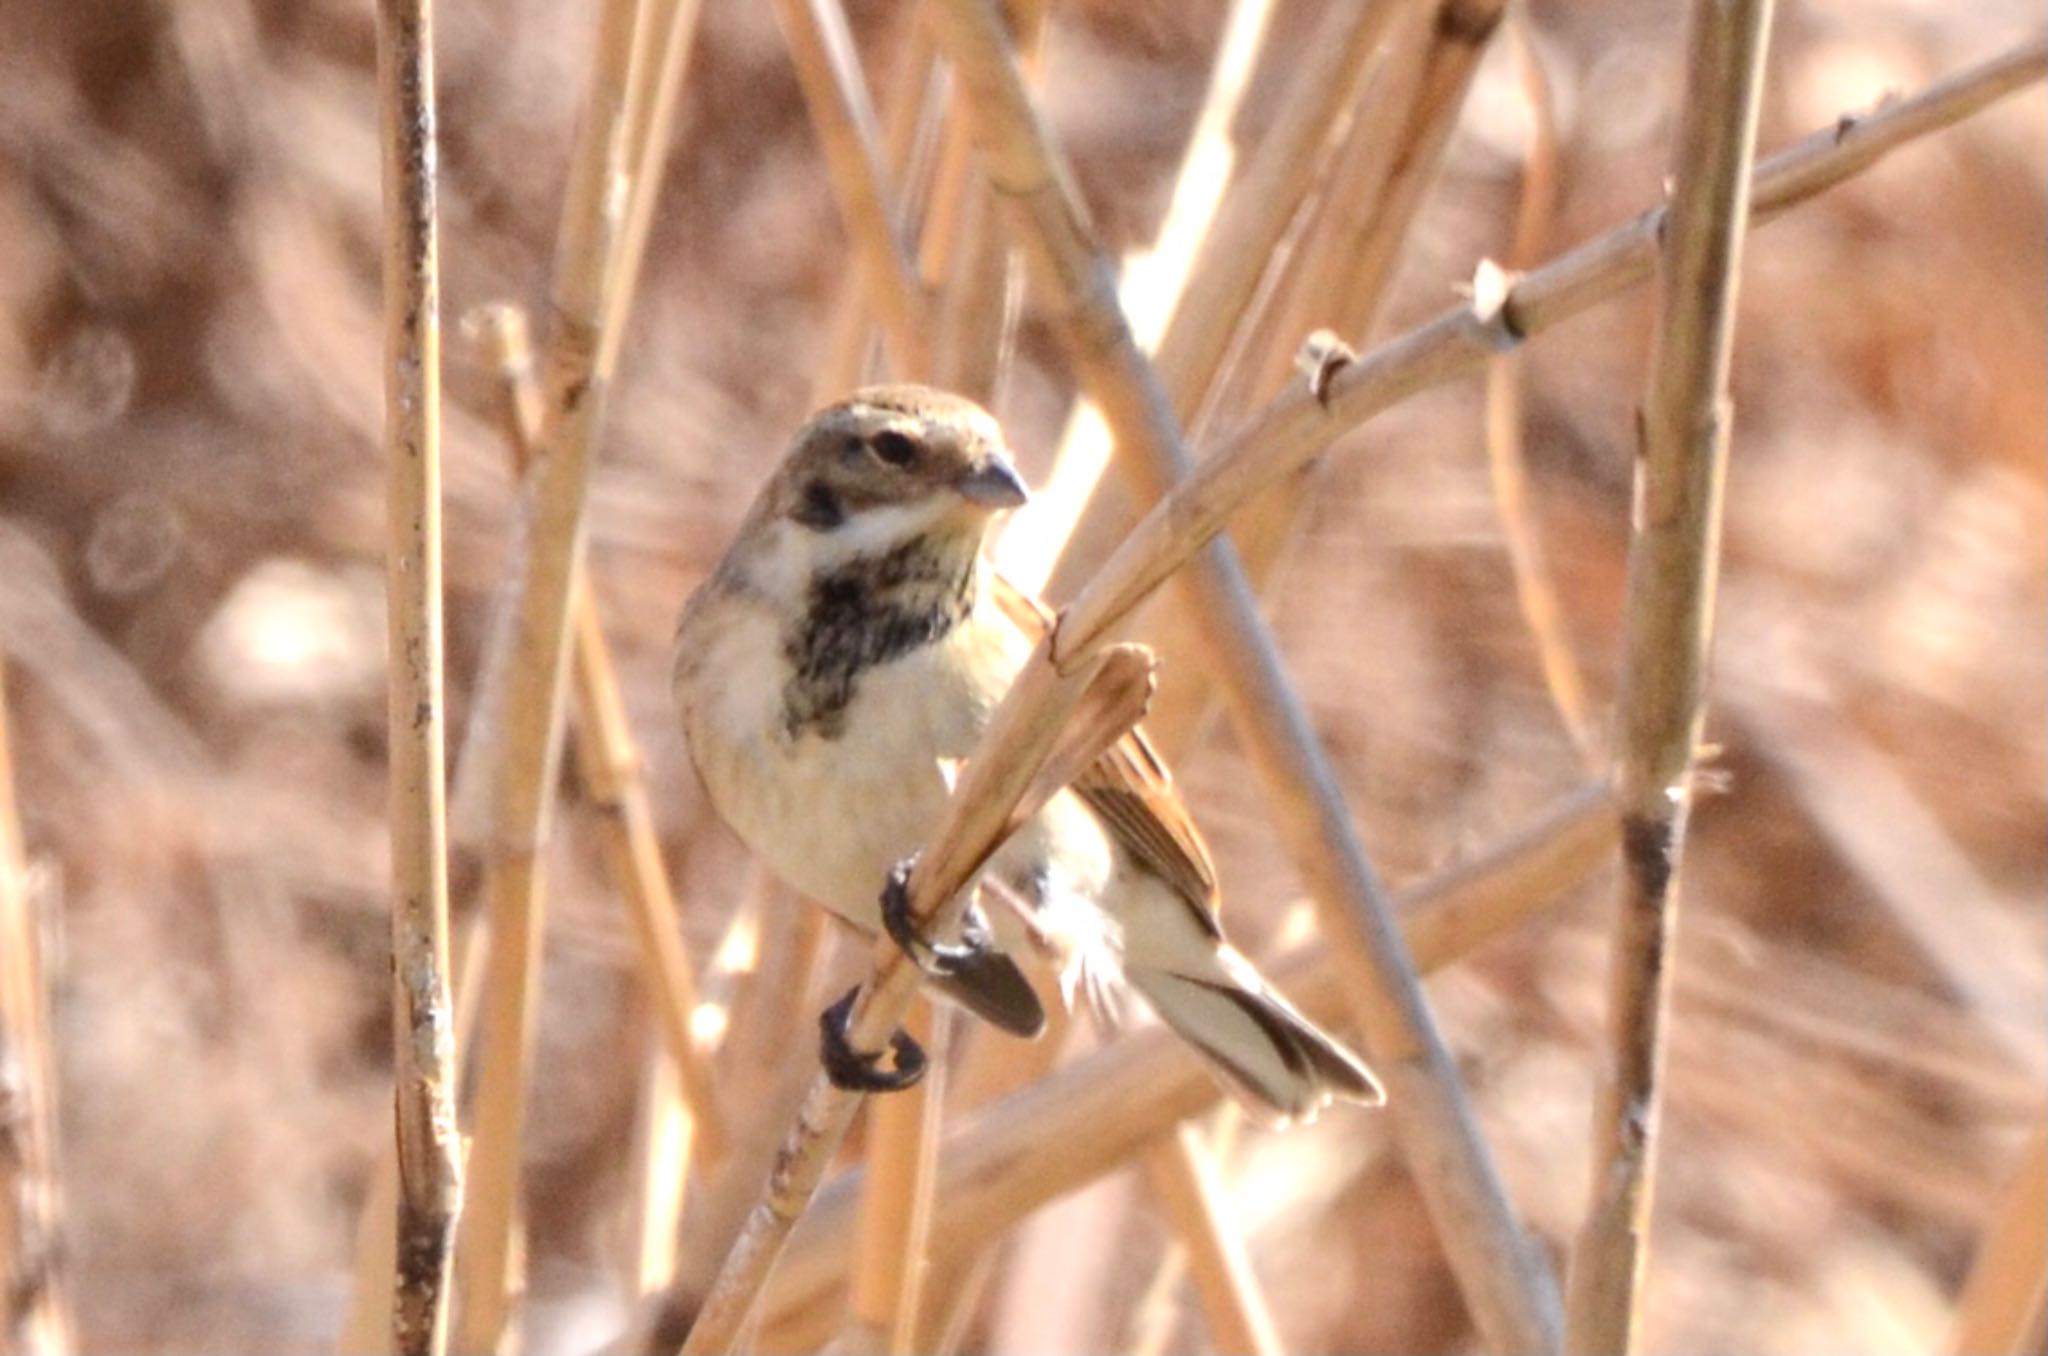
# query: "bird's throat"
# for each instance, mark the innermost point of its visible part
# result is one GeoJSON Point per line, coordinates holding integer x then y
{"type": "Point", "coordinates": [868, 610]}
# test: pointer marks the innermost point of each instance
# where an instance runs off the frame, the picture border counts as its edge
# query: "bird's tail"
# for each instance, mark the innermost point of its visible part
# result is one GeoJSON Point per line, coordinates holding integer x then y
{"type": "Point", "coordinates": [1276, 1061]}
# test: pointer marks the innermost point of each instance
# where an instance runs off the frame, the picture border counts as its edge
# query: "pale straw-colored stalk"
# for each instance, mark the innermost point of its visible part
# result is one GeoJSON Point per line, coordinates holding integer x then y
{"type": "Point", "coordinates": [1668, 620]}
{"type": "Point", "coordinates": [585, 306]}
{"type": "Point", "coordinates": [2004, 1305]}
{"type": "Point", "coordinates": [429, 1195]}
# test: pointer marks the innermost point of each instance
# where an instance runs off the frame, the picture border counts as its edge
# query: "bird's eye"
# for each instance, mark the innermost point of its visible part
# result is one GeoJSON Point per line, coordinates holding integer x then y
{"type": "Point", "coordinates": [897, 449]}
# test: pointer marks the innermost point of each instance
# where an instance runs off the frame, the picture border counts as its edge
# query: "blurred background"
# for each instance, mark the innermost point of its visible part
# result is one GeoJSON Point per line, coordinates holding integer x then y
{"type": "Point", "coordinates": [191, 598]}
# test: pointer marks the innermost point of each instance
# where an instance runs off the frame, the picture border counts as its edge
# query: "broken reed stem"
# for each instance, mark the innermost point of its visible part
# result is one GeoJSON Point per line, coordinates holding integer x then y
{"type": "Point", "coordinates": [1674, 562]}
{"type": "Point", "coordinates": [2005, 1301]}
{"type": "Point", "coordinates": [35, 1319]}
{"type": "Point", "coordinates": [584, 307]}
{"type": "Point", "coordinates": [1092, 1116]}
{"type": "Point", "coordinates": [609, 764]}
{"type": "Point", "coordinates": [1504, 1278]}
{"type": "Point", "coordinates": [1183, 1176]}
{"type": "Point", "coordinates": [1507, 465]}
{"type": "Point", "coordinates": [429, 1150]}
{"type": "Point", "coordinates": [835, 95]}
{"type": "Point", "coordinates": [1295, 427]}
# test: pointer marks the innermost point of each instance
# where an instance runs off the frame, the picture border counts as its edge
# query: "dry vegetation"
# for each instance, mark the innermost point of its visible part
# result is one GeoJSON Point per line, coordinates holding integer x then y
{"type": "Point", "coordinates": [195, 866]}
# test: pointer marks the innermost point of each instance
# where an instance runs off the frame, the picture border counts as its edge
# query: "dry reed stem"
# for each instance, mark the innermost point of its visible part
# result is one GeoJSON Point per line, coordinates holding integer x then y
{"type": "Point", "coordinates": [1295, 427]}
{"type": "Point", "coordinates": [1096, 1114]}
{"type": "Point", "coordinates": [609, 764]}
{"type": "Point", "coordinates": [1668, 619]}
{"type": "Point", "coordinates": [1026, 733]}
{"type": "Point", "coordinates": [835, 95]}
{"type": "Point", "coordinates": [429, 1147]}
{"type": "Point", "coordinates": [1183, 1177]}
{"type": "Point", "coordinates": [367, 1324]}
{"type": "Point", "coordinates": [1535, 587]}
{"type": "Point", "coordinates": [1505, 1279]}
{"type": "Point", "coordinates": [529, 731]}
{"type": "Point", "coordinates": [35, 1319]}
{"type": "Point", "coordinates": [2005, 1301]}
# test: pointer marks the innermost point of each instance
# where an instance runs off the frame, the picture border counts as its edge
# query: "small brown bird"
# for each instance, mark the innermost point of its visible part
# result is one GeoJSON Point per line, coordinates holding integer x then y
{"type": "Point", "coordinates": [848, 652]}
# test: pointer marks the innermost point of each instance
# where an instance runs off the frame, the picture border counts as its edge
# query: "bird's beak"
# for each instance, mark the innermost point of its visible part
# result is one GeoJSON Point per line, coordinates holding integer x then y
{"type": "Point", "coordinates": [994, 484]}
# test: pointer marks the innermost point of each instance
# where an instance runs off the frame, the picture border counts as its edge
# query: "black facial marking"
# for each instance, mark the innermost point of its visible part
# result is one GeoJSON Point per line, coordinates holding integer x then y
{"type": "Point", "coordinates": [819, 508]}
{"type": "Point", "coordinates": [866, 612]}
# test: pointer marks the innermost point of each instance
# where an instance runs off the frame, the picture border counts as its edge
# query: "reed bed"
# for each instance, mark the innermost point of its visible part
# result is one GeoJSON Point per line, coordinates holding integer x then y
{"type": "Point", "coordinates": [1404, 567]}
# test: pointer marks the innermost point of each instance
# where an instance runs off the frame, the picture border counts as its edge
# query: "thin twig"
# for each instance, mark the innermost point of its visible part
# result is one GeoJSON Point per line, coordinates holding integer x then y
{"type": "Point", "coordinates": [1091, 1117]}
{"type": "Point", "coordinates": [1504, 1278]}
{"type": "Point", "coordinates": [1674, 564]}
{"type": "Point", "coordinates": [2005, 1302]}
{"type": "Point", "coordinates": [35, 1319]}
{"type": "Point", "coordinates": [429, 1194]}
{"type": "Point", "coordinates": [585, 307]}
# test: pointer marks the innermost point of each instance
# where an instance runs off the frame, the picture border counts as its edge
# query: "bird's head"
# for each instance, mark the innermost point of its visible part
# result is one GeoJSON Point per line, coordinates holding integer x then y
{"type": "Point", "coordinates": [889, 463]}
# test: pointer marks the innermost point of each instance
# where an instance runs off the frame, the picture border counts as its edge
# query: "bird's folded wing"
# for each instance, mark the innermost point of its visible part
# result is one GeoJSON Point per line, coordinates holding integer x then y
{"type": "Point", "coordinates": [1131, 790]}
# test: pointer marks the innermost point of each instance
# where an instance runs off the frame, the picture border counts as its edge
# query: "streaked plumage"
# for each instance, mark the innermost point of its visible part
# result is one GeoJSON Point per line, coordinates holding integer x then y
{"type": "Point", "coordinates": [850, 648]}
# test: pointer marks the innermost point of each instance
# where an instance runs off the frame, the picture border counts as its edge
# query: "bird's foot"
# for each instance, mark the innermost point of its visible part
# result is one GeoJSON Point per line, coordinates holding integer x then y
{"type": "Point", "coordinates": [861, 1070]}
{"type": "Point", "coordinates": [936, 960]}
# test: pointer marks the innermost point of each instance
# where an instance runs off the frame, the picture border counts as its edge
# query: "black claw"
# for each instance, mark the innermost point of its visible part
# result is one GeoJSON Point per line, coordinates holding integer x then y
{"type": "Point", "coordinates": [939, 962]}
{"type": "Point", "coordinates": [861, 1070]}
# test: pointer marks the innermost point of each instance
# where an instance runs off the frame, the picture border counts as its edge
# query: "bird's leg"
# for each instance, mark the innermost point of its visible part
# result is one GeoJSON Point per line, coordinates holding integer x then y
{"type": "Point", "coordinates": [936, 960]}
{"type": "Point", "coordinates": [861, 1070]}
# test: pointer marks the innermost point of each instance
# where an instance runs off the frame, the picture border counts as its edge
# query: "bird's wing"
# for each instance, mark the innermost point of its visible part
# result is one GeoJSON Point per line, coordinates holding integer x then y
{"type": "Point", "coordinates": [1131, 790]}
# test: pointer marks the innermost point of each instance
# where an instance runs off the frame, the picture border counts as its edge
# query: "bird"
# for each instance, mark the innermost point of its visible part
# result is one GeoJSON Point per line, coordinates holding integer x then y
{"type": "Point", "coordinates": [841, 661]}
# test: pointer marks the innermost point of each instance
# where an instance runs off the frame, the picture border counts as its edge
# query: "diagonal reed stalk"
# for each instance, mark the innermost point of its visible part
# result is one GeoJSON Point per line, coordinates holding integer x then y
{"type": "Point", "coordinates": [1504, 1279]}
{"type": "Point", "coordinates": [1056, 1135]}
{"type": "Point", "coordinates": [1674, 562]}
{"type": "Point", "coordinates": [635, 51]}
{"type": "Point", "coordinates": [35, 1318]}
{"type": "Point", "coordinates": [429, 1196]}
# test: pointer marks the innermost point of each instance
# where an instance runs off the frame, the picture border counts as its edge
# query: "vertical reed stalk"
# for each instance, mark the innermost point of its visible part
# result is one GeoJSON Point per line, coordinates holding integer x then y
{"type": "Point", "coordinates": [1674, 558]}
{"type": "Point", "coordinates": [35, 1319]}
{"type": "Point", "coordinates": [1183, 1177]}
{"type": "Point", "coordinates": [429, 1193]}
{"type": "Point", "coordinates": [586, 307]}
